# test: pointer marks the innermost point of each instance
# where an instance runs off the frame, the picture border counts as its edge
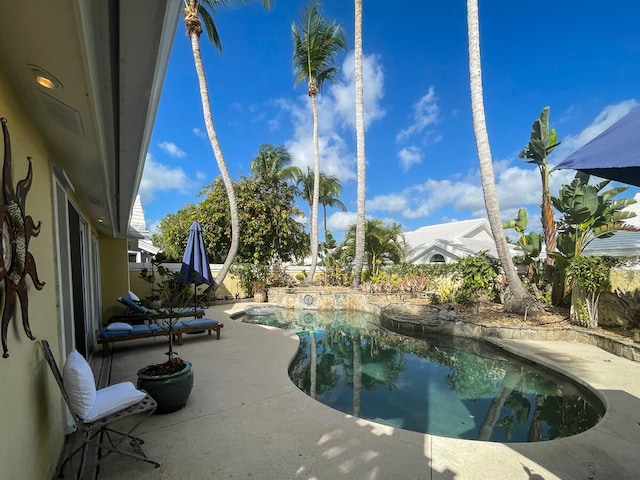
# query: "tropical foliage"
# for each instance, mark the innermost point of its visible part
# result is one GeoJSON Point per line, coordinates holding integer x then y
{"type": "Point", "coordinates": [588, 213]}
{"type": "Point", "coordinates": [543, 141]}
{"type": "Point", "coordinates": [591, 276]}
{"type": "Point", "coordinates": [384, 243]}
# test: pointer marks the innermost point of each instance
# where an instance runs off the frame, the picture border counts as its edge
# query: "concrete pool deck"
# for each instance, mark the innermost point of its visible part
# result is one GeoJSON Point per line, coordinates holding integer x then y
{"type": "Point", "coordinates": [245, 419]}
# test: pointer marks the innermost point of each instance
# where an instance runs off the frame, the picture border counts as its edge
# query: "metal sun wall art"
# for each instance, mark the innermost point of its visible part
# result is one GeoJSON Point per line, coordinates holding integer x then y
{"type": "Point", "coordinates": [16, 229]}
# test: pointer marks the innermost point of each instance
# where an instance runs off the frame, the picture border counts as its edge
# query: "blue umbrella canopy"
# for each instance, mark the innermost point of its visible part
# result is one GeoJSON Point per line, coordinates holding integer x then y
{"type": "Point", "coordinates": [614, 154]}
{"type": "Point", "coordinates": [195, 264]}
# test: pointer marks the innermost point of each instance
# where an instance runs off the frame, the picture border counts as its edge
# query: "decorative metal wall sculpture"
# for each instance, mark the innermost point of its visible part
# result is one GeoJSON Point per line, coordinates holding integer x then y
{"type": "Point", "coordinates": [16, 229]}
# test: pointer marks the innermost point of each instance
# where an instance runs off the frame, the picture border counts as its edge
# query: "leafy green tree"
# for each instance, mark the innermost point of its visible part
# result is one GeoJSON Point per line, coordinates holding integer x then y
{"type": "Point", "coordinates": [267, 217]}
{"type": "Point", "coordinates": [383, 243]}
{"type": "Point", "coordinates": [543, 141]}
{"type": "Point", "coordinates": [173, 232]}
{"type": "Point", "coordinates": [316, 44]}
{"type": "Point", "coordinates": [197, 12]}
{"type": "Point", "coordinates": [519, 301]}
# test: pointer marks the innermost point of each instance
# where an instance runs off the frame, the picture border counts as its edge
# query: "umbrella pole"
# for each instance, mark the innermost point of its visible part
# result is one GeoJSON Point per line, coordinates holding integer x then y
{"type": "Point", "coordinates": [195, 297]}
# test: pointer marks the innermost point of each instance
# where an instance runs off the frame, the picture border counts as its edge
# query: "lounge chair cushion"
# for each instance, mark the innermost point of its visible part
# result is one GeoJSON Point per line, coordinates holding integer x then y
{"type": "Point", "coordinates": [134, 330]}
{"type": "Point", "coordinates": [112, 399]}
{"type": "Point", "coordinates": [119, 326]}
{"type": "Point", "coordinates": [79, 383]}
{"type": "Point", "coordinates": [196, 323]}
{"type": "Point", "coordinates": [133, 296]}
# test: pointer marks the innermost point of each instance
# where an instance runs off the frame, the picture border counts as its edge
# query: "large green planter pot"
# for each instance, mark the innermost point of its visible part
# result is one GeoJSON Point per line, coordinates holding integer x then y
{"type": "Point", "coordinates": [170, 392]}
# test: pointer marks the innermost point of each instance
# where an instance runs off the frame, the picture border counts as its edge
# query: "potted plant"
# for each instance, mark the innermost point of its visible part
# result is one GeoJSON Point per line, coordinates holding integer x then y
{"type": "Point", "coordinates": [259, 291]}
{"type": "Point", "coordinates": [169, 383]}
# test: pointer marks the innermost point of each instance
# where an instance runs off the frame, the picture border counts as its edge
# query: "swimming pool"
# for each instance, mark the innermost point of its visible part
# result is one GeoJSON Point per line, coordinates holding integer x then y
{"type": "Point", "coordinates": [438, 384]}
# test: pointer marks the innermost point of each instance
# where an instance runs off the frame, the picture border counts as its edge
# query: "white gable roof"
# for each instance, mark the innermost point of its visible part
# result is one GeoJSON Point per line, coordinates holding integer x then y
{"type": "Point", "coordinates": [466, 229]}
{"type": "Point", "coordinates": [451, 240]}
{"type": "Point", "coordinates": [137, 222]}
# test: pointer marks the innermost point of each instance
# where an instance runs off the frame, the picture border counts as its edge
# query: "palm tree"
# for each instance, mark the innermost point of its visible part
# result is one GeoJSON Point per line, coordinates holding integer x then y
{"type": "Point", "coordinates": [361, 213]}
{"type": "Point", "coordinates": [520, 301]}
{"type": "Point", "coordinates": [316, 43]}
{"type": "Point", "coordinates": [272, 165]}
{"type": "Point", "coordinates": [383, 243]}
{"type": "Point", "coordinates": [330, 190]}
{"type": "Point", "coordinates": [195, 14]}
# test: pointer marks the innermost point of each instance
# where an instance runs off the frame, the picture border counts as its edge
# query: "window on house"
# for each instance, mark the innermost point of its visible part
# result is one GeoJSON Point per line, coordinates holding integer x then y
{"type": "Point", "coordinates": [437, 258]}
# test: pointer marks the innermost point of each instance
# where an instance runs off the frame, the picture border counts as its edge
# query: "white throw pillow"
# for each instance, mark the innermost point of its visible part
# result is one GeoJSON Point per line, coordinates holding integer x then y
{"type": "Point", "coordinates": [133, 296]}
{"type": "Point", "coordinates": [119, 326]}
{"type": "Point", "coordinates": [79, 383]}
{"type": "Point", "coordinates": [112, 399]}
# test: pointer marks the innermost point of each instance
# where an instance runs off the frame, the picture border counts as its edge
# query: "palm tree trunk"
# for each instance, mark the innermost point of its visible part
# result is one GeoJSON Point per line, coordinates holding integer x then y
{"type": "Point", "coordinates": [360, 144]}
{"type": "Point", "coordinates": [519, 300]}
{"type": "Point", "coordinates": [217, 151]}
{"type": "Point", "coordinates": [316, 190]}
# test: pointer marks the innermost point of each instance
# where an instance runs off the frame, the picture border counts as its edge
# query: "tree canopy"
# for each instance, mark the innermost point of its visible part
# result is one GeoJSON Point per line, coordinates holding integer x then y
{"type": "Point", "coordinates": [267, 218]}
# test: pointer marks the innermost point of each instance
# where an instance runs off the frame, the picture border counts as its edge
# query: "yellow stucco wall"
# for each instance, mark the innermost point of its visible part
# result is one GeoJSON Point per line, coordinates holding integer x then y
{"type": "Point", "coordinates": [114, 275]}
{"type": "Point", "coordinates": [32, 422]}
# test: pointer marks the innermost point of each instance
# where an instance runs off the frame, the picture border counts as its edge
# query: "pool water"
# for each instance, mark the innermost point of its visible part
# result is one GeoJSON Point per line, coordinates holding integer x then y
{"type": "Point", "coordinates": [441, 385]}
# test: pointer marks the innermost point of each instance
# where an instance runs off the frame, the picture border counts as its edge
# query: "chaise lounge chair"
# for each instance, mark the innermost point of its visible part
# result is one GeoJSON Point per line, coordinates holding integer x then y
{"type": "Point", "coordinates": [121, 332]}
{"type": "Point", "coordinates": [137, 312]}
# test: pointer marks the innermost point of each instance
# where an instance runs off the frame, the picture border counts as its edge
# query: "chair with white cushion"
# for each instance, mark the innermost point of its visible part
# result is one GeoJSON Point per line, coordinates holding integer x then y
{"type": "Point", "coordinates": [94, 410]}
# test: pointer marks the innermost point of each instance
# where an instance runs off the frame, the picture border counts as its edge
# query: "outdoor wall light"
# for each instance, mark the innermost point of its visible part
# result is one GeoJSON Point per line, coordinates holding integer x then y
{"type": "Point", "coordinates": [45, 79]}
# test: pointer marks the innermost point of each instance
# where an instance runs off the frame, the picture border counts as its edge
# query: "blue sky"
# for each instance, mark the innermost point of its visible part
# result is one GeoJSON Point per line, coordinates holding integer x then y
{"type": "Point", "coordinates": [581, 58]}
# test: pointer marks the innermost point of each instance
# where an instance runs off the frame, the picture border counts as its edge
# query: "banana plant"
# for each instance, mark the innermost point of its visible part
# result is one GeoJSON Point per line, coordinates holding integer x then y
{"type": "Point", "coordinates": [543, 141]}
{"type": "Point", "coordinates": [588, 213]}
{"type": "Point", "coordinates": [530, 244]}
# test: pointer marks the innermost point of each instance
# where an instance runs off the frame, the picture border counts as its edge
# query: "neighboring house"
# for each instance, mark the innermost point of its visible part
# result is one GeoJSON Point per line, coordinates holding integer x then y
{"type": "Point", "coordinates": [141, 248]}
{"type": "Point", "coordinates": [86, 128]}
{"type": "Point", "coordinates": [447, 242]}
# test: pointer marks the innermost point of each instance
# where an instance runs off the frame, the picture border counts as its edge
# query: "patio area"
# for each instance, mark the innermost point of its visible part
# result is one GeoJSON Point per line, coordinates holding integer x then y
{"type": "Point", "coordinates": [246, 419]}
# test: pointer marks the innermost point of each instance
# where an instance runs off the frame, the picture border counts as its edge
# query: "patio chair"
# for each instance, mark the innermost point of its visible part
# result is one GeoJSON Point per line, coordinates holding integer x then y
{"type": "Point", "coordinates": [95, 410]}
{"type": "Point", "coordinates": [137, 311]}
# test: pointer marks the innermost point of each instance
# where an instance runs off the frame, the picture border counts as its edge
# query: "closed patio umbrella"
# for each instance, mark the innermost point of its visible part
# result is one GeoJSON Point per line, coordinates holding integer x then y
{"type": "Point", "coordinates": [614, 154]}
{"type": "Point", "coordinates": [195, 264]}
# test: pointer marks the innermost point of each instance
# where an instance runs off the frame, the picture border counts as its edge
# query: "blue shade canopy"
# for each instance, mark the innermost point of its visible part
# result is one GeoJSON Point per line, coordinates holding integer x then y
{"type": "Point", "coordinates": [614, 154]}
{"type": "Point", "coordinates": [195, 264]}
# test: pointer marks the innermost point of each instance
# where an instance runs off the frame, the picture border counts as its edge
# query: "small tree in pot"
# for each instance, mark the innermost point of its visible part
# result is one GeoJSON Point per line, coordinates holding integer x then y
{"type": "Point", "coordinates": [169, 382]}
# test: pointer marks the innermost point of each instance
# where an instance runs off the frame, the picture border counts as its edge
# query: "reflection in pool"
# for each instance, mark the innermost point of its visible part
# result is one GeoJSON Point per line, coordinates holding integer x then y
{"type": "Point", "coordinates": [438, 384]}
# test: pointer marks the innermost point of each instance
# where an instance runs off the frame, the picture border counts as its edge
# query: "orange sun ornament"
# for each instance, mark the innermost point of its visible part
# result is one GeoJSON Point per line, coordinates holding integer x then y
{"type": "Point", "coordinates": [16, 229]}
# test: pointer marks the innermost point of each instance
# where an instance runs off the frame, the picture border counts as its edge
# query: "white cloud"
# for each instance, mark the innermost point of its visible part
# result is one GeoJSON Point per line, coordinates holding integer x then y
{"type": "Point", "coordinates": [199, 133]}
{"type": "Point", "coordinates": [161, 178]}
{"type": "Point", "coordinates": [340, 221]}
{"type": "Point", "coordinates": [518, 184]}
{"type": "Point", "coordinates": [425, 113]}
{"type": "Point", "coordinates": [172, 149]}
{"type": "Point", "coordinates": [409, 156]}
{"type": "Point", "coordinates": [394, 202]}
